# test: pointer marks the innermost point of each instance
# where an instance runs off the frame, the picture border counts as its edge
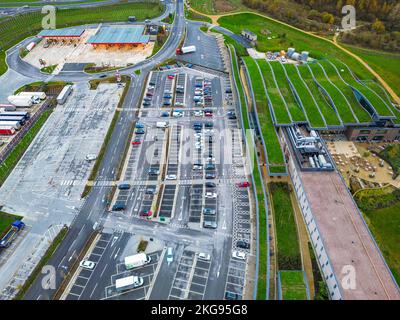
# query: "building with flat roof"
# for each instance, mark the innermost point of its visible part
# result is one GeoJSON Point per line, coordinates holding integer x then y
{"type": "Point", "coordinates": [119, 36]}
{"type": "Point", "coordinates": [61, 33]}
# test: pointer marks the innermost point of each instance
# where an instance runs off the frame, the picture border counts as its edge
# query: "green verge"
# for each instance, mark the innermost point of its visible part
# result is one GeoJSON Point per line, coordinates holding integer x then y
{"type": "Point", "coordinates": [320, 288]}
{"type": "Point", "coordinates": [313, 113]}
{"type": "Point", "coordinates": [295, 110]}
{"type": "Point", "coordinates": [292, 285]}
{"type": "Point", "coordinates": [15, 29]}
{"type": "Point", "coordinates": [262, 238]}
{"type": "Point", "coordinates": [99, 159]}
{"type": "Point", "coordinates": [191, 15]}
{"type": "Point", "coordinates": [381, 210]}
{"type": "Point", "coordinates": [327, 110]}
{"type": "Point", "coordinates": [11, 161]}
{"type": "Point", "coordinates": [49, 69]}
{"type": "Point", "coordinates": [288, 248]}
{"type": "Point", "coordinates": [361, 113]}
{"type": "Point", "coordinates": [6, 219]}
{"type": "Point", "coordinates": [262, 214]}
{"type": "Point", "coordinates": [236, 75]}
{"type": "Point", "coordinates": [278, 104]}
{"type": "Point", "coordinates": [379, 105]}
{"type": "Point", "coordinates": [272, 145]}
{"type": "Point", "coordinates": [48, 254]}
{"type": "Point", "coordinates": [343, 107]}
{"type": "Point", "coordinates": [240, 50]}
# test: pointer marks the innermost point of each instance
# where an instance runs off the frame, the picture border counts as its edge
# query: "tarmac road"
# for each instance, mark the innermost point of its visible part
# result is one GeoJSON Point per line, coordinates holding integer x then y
{"type": "Point", "coordinates": [94, 207]}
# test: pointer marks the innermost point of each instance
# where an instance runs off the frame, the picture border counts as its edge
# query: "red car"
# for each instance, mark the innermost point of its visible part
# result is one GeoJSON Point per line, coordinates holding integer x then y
{"type": "Point", "coordinates": [171, 76]}
{"type": "Point", "coordinates": [208, 114]}
{"type": "Point", "coordinates": [244, 184]}
{"type": "Point", "coordinates": [134, 142]}
{"type": "Point", "coordinates": [146, 213]}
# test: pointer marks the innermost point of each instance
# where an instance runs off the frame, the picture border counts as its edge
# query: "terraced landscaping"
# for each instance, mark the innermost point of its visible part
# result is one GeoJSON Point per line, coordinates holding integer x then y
{"type": "Point", "coordinates": [327, 110]}
{"type": "Point", "coordinates": [309, 105]}
{"type": "Point", "coordinates": [272, 145]}
{"type": "Point", "coordinates": [379, 105]}
{"type": "Point", "coordinates": [342, 105]}
{"type": "Point", "coordinates": [295, 110]}
{"type": "Point", "coordinates": [281, 114]}
{"type": "Point", "coordinates": [362, 115]}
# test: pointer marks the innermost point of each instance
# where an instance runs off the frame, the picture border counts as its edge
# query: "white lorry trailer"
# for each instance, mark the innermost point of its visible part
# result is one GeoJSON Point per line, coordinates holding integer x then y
{"type": "Point", "coordinates": [40, 95]}
{"type": "Point", "coordinates": [128, 283]}
{"type": "Point", "coordinates": [20, 101]}
{"type": "Point", "coordinates": [136, 260]}
{"type": "Point", "coordinates": [65, 92]}
{"type": "Point", "coordinates": [184, 50]}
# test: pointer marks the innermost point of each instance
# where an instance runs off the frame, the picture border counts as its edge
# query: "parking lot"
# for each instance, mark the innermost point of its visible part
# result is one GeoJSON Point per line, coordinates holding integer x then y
{"type": "Point", "coordinates": [191, 277]}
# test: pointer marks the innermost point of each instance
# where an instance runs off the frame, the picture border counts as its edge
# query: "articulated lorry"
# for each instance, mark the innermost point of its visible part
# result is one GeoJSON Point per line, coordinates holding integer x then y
{"type": "Point", "coordinates": [16, 227]}
{"type": "Point", "coordinates": [184, 50]}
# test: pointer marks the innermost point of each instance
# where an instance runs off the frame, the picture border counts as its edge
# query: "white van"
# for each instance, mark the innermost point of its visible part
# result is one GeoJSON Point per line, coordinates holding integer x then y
{"type": "Point", "coordinates": [161, 124]}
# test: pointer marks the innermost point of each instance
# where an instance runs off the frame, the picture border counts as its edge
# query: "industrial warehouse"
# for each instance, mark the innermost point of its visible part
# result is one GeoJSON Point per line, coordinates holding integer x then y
{"type": "Point", "coordinates": [101, 46]}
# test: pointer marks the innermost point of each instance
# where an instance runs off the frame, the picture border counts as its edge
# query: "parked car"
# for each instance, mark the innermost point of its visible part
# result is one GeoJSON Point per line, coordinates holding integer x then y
{"type": "Point", "coordinates": [86, 264]}
{"type": "Point", "coordinates": [209, 212]}
{"type": "Point", "coordinates": [204, 256]}
{"type": "Point", "coordinates": [210, 224]}
{"type": "Point", "coordinates": [170, 255]}
{"type": "Point", "coordinates": [124, 186]}
{"type": "Point", "coordinates": [150, 190]}
{"type": "Point", "coordinates": [118, 207]}
{"type": "Point", "coordinates": [231, 295]}
{"type": "Point", "coordinates": [139, 131]}
{"type": "Point", "coordinates": [238, 255]}
{"type": "Point", "coordinates": [210, 195]}
{"type": "Point", "coordinates": [210, 185]}
{"type": "Point", "coordinates": [170, 177]}
{"type": "Point", "coordinates": [243, 244]}
{"type": "Point", "coordinates": [136, 141]}
{"type": "Point", "coordinates": [146, 213]}
{"type": "Point", "coordinates": [243, 184]}
{"type": "Point", "coordinates": [210, 175]}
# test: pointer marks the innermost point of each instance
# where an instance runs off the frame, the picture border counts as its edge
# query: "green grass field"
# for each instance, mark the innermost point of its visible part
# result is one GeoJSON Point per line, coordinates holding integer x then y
{"type": "Point", "coordinates": [15, 29]}
{"type": "Point", "coordinates": [5, 221]}
{"type": "Point", "coordinates": [273, 148]}
{"type": "Point", "coordinates": [289, 37]}
{"type": "Point", "coordinates": [292, 285]}
{"type": "Point", "coordinates": [327, 110]}
{"type": "Point", "coordinates": [361, 113]}
{"type": "Point", "coordinates": [11, 161]}
{"type": "Point", "coordinates": [342, 105]}
{"type": "Point", "coordinates": [197, 17]}
{"type": "Point", "coordinates": [379, 105]}
{"type": "Point", "coordinates": [384, 63]}
{"type": "Point", "coordinates": [313, 113]}
{"type": "Point", "coordinates": [294, 108]}
{"type": "Point", "coordinates": [384, 224]}
{"type": "Point", "coordinates": [288, 249]}
{"type": "Point", "coordinates": [278, 104]}
{"type": "Point", "coordinates": [217, 6]}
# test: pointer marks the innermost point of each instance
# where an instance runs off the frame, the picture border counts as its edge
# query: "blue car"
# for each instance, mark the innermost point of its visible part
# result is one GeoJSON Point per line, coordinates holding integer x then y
{"type": "Point", "coordinates": [139, 126]}
{"type": "Point", "coordinates": [165, 114]}
{"type": "Point", "coordinates": [139, 131]}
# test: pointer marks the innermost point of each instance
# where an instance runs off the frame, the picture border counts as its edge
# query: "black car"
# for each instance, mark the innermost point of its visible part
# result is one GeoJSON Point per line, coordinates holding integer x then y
{"type": "Point", "coordinates": [209, 125]}
{"type": "Point", "coordinates": [118, 207]}
{"type": "Point", "coordinates": [243, 244]}
{"type": "Point", "coordinates": [103, 76]}
{"type": "Point", "coordinates": [210, 185]}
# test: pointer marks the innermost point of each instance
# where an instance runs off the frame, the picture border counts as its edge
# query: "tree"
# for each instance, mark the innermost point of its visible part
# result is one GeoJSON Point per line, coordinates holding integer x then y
{"type": "Point", "coordinates": [378, 26]}
{"type": "Point", "coordinates": [328, 18]}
